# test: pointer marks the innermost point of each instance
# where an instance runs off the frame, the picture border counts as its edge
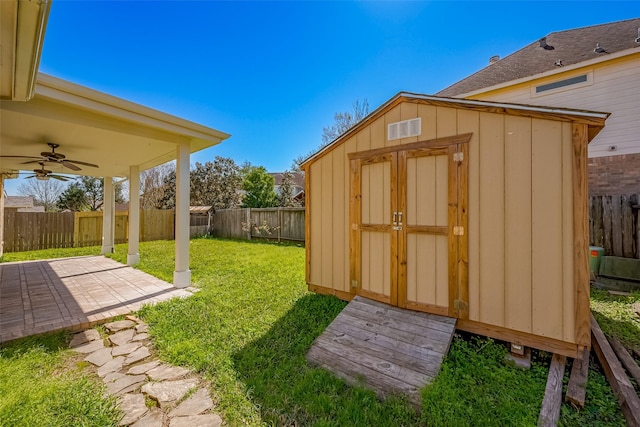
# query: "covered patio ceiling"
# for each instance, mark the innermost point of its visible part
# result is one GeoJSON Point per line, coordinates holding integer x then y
{"type": "Point", "coordinates": [94, 127]}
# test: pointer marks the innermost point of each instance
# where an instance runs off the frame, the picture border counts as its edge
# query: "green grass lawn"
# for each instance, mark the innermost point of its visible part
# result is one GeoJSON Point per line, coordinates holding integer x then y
{"type": "Point", "coordinates": [41, 384]}
{"type": "Point", "coordinates": [250, 326]}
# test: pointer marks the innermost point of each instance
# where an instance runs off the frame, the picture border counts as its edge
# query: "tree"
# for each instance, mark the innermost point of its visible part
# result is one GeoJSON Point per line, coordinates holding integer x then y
{"type": "Point", "coordinates": [258, 185]}
{"type": "Point", "coordinates": [285, 198]}
{"type": "Point", "coordinates": [216, 184]}
{"type": "Point", "coordinates": [87, 193]}
{"type": "Point", "coordinates": [342, 122]}
{"type": "Point", "coordinates": [154, 186]}
{"type": "Point", "coordinates": [44, 192]}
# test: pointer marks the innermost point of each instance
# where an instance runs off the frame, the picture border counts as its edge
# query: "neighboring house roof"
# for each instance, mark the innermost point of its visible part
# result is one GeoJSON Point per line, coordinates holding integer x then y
{"type": "Point", "coordinates": [298, 178]}
{"type": "Point", "coordinates": [18, 202]}
{"type": "Point", "coordinates": [569, 47]}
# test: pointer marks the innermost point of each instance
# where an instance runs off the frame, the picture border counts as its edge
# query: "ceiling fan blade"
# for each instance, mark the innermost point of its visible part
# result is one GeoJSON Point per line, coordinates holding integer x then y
{"type": "Point", "coordinates": [33, 161]}
{"type": "Point", "coordinates": [80, 163]}
{"type": "Point", "coordinates": [59, 177]}
{"type": "Point", "coordinates": [70, 165]}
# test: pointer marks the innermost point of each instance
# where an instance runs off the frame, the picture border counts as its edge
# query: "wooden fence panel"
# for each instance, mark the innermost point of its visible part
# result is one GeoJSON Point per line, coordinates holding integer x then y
{"type": "Point", "coordinates": [615, 224]}
{"type": "Point", "coordinates": [28, 231]}
{"type": "Point", "coordinates": [283, 223]}
{"type": "Point", "coordinates": [227, 223]}
{"type": "Point", "coordinates": [157, 224]}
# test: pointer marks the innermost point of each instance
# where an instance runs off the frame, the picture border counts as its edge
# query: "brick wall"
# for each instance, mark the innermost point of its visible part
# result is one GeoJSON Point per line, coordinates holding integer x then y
{"type": "Point", "coordinates": [614, 175]}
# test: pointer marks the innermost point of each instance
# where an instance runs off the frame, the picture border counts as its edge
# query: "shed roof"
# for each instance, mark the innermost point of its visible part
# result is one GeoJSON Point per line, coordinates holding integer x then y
{"type": "Point", "coordinates": [298, 178]}
{"type": "Point", "coordinates": [570, 47]}
{"type": "Point", "coordinates": [594, 119]}
{"type": "Point", "coordinates": [199, 209]}
{"type": "Point", "coordinates": [18, 202]}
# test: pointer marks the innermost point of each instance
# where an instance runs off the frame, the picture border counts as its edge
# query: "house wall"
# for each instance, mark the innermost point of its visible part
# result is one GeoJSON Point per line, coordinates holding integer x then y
{"type": "Point", "coordinates": [520, 215]}
{"type": "Point", "coordinates": [614, 88]}
{"type": "Point", "coordinates": [614, 175]}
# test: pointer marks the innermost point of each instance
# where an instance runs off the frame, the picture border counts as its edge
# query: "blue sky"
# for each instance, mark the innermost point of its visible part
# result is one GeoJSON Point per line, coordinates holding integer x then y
{"type": "Point", "coordinates": [272, 74]}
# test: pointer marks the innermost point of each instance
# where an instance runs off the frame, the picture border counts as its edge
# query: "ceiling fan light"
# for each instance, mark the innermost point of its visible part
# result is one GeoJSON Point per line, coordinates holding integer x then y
{"type": "Point", "coordinates": [42, 177]}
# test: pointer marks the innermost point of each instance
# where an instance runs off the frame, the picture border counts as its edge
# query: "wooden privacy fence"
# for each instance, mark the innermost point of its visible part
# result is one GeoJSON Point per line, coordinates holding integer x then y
{"type": "Point", "coordinates": [614, 224]}
{"type": "Point", "coordinates": [281, 223]}
{"type": "Point", "coordinates": [27, 231]}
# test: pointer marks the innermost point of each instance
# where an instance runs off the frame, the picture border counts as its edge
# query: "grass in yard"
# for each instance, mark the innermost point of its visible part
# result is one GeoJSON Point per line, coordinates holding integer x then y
{"type": "Point", "coordinates": [40, 385]}
{"type": "Point", "coordinates": [253, 321]}
{"type": "Point", "coordinates": [49, 254]}
{"type": "Point", "coordinates": [615, 316]}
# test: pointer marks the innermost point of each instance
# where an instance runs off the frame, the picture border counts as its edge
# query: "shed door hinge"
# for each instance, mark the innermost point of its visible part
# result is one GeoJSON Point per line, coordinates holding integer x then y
{"type": "Point", "coordinates": [458, 230]}
{"type": "Point", "coordinates": [458, 157]}
{"type": "Point", "coordinates": [354, 284]}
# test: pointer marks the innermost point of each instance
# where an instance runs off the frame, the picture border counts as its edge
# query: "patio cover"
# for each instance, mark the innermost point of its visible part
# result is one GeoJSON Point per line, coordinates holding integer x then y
{"type": "Point", "coordinates": [122, 137]}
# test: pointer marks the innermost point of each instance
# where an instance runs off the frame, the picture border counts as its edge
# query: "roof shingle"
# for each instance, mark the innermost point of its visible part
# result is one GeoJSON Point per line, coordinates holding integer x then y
{"type": "Point", "coordinates": [570, 47]}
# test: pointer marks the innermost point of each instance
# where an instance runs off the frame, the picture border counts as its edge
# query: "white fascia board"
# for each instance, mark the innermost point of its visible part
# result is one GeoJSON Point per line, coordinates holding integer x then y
{"type": "Point", "coordinates": [559, 70]}
{"type": "Point", "coordinates": [82, 97]}
{"type": "Point", "coordinates": [31, 27]}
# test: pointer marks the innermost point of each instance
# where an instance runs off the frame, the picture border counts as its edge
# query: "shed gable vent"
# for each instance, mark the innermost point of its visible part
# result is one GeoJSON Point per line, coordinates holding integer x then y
{"type": "Point", "coordinates": [404, 129]}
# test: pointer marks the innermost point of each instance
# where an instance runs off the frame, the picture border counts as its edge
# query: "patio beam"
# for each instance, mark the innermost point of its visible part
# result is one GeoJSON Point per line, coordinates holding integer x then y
{"type": "Point", "coordinates": [108, 208]}
{"type": "Point", "coordinates": [182, 274]}
{"type": "Point", "coordinates": [133, 255]}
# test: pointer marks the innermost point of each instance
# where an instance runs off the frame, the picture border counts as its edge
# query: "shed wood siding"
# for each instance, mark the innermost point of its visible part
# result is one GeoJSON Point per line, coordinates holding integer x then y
{"type": "Point", "coordinates": [615, 88]}
{"type": "Point", "coordinates": [520, 214]}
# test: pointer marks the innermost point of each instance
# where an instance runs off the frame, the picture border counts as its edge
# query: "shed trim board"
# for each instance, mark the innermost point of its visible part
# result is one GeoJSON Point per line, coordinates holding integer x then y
{"type": "Point", "coordinates": [482, 217]}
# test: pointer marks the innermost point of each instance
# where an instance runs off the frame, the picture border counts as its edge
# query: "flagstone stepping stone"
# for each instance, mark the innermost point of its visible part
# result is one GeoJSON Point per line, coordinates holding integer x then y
{"type": "Point", "coordinates": [133, 406]}
{"type": "Point", "coordinates": [166, 372]}
{"type": "Point", "coordinates": [119, 325]}
{"type": "Point", "coordinates": [168, 391]}
{"type": "Point", "coordinates": [140, 337]}
{"type": "Point", "coordinates": [113, 376]}
{"type": "Point", "coordinates": [122, 337]}
{"type": "Point", "coordinates": [142, 328]}
{"type": "Point", "coordinates": [199, 402]}
{"type": "Point", "coordinates": [207, 420]}
{"type": "Point", "coordinates": [141, 369]}
{"type": "Point", "coordinates": [84, 337]}
{"type": "Point", "coordinates": [125, 348]}
{"type": "Point", "coordinates": [89, 347]}
{"type": "Point", "coordinates": [152, 419]}
{"type": "Point", "coordinates": [111, 366]}
{"type": "Point", "coordinates": [138, 355]}
{"type": "Point", "coordinates": [124, 382]}
{"type": "Point", "coordinates": [132, 318]}
{"type": "Point", "coordinates": [99, 357]}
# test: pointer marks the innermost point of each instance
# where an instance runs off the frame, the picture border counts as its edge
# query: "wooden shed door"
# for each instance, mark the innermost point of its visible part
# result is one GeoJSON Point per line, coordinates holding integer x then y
{"type": "Point", "coordinates": [408, 237]}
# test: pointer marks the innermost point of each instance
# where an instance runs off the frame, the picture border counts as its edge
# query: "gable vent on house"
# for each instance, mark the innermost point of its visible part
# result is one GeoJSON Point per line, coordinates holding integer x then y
{"type": "Point", "coordinates": [404, 129]}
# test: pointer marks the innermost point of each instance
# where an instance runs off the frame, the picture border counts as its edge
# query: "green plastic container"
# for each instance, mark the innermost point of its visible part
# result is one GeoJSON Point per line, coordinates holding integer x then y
{"type": "Point", "coordinates": [595, 257]}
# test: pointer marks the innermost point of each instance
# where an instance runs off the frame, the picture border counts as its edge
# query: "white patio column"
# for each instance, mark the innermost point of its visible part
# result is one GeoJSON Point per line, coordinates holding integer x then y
{"type": "Point", "coordinates": [133, 256]}
{"type": "Point", "coordinates": [108, 213]}
{"type": "Point", "coordinates": [182, 274]}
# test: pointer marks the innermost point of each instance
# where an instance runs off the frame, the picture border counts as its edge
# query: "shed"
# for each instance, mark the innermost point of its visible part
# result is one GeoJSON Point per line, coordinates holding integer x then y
{"type": "Point", "coordinates": [469, 209]}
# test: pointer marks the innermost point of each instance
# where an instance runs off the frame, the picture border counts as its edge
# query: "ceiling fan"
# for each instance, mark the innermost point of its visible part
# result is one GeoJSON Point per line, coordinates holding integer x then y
{"type": "Point", "coordinates": [44, 174]}
{"type": "Point", "coordinates": [53, 157]}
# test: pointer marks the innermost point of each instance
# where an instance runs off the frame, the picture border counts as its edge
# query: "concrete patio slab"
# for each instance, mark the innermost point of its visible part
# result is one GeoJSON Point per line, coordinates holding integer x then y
{"type": "Point", "coordinates": [72, 294]}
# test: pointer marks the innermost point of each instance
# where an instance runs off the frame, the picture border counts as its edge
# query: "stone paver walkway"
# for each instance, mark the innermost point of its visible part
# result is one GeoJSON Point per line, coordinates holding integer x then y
{"type": "Point", "coordinates": [151, 393]}
{"type": "Point", "coordinates": [73, 294]}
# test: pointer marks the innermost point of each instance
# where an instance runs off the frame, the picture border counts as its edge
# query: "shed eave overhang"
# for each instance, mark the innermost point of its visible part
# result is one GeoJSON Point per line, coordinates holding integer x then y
{"type": "Point", "coordinates": [594, 119]}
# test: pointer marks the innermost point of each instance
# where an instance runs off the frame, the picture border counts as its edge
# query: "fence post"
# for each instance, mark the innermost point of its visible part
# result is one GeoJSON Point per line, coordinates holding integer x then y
{"type": "Point", "coordinates": [76, 229]}
{"type": "Point", "coordinates": [249, 223]}
{"type": "Point", "coordinates": [279, 223]}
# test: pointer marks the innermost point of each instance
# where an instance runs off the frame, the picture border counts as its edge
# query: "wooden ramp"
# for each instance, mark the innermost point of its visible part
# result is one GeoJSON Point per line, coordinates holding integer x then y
{"type": "Point", "coordinates": [388, 349]}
